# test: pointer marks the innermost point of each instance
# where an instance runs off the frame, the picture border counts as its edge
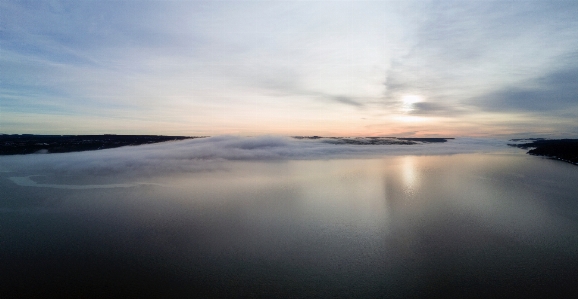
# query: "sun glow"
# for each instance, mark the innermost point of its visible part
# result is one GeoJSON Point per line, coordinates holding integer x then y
{"type": "Point", "coordinates": [409, 100]}
{"type": "Point", "coordinates": [409, 118]}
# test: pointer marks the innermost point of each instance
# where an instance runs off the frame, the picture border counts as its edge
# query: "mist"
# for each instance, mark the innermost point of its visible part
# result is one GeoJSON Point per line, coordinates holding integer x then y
{"type": "Point", "coordinates": [206, 154]}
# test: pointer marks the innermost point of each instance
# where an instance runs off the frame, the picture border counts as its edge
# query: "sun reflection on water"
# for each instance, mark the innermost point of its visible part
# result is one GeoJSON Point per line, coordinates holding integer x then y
{"type": "Point", "coordinates": [409, 175]}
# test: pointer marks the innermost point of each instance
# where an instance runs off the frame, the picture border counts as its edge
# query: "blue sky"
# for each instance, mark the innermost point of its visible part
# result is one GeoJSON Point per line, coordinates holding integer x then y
{"type": "Point", "coordinates": [371, 68]}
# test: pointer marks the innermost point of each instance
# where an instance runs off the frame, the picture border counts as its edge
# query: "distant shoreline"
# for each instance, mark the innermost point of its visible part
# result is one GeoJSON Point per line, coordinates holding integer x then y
{"type": "Point", "coordinates": [374, 140]}
{"type": "Point", "coordinates": [23, 144]}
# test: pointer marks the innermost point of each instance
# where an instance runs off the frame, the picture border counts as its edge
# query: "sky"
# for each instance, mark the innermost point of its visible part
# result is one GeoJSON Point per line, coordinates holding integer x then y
{"type": "Point", "coordinates": [327, 68]}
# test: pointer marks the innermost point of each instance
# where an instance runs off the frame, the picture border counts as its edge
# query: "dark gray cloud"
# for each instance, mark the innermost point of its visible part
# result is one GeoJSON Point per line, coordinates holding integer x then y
{"type": "Point", "coordinates": [347, 101]}
{"type": "Point", "coordinates": [552, 92]}
{"type": "Point", "coordinates": [290, 86]}
{"type": "Point", "coordinates": [436, 108]}
{"type": "Point", "coordinates": [287, 82]}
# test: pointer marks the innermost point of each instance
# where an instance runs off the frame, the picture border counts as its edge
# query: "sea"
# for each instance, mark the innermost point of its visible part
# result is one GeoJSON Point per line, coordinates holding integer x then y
{"type": "Point", "coordinates": [275, 217]}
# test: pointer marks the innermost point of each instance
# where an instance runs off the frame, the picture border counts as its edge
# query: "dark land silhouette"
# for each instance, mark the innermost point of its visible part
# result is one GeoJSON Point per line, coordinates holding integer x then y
{"type": "Point", "coordinates": [562, 149]}
{"type": "Point", "coordinates": [30, 144]}
{"type": "Point", "coordinates": [373, 140]}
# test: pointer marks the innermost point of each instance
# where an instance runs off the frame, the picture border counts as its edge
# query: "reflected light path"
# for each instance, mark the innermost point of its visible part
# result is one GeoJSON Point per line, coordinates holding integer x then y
{"type": "Point", "coordinates": [409, 175]}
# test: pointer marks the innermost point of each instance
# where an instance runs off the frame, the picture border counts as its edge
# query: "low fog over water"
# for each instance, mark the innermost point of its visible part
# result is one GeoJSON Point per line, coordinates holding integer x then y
{"type": "Point", "coordinates": [272, 216]}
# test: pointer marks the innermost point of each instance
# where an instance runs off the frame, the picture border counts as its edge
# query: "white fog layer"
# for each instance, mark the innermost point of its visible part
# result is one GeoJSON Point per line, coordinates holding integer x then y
{"type": "Point", "coordinates": [206, 153]}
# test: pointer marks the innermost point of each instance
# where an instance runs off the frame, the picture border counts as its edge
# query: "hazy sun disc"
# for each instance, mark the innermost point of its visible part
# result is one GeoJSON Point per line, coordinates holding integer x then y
{"type": "Point", "coordinates": [409, 100]}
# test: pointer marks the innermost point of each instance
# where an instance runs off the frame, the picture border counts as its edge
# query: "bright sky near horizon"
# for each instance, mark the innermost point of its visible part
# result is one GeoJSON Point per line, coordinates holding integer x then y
{"type": "Point", "coordinates": [331, 68]}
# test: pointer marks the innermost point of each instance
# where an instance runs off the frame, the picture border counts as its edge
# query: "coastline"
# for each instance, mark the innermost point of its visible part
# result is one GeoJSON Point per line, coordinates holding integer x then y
{"type": "Point", "coordinates": [565, 150]}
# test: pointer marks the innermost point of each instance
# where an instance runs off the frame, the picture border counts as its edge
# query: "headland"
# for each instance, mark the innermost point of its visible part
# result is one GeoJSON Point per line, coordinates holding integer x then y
{"type": "Point", "coordinates": [561, 149]}
{"type": "Point", "coordinates": [22, 144]}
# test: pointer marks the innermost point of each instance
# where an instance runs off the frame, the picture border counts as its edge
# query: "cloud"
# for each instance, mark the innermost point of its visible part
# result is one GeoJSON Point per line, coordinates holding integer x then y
{"type": "Point", "coordinates": [347, 101]}
{"type": "Point", "coordinates": [173, 65]}
{"type": "Point", "coordinates": [468, 55]}
{"type": "Point", "coordinates": [432, 108]}
{"type": "Point", "coordinates": [549, 93]}
{"type": "Point", "coordinates": [206, 154]}
{"type": "Point", "coordinates": [172, 60]}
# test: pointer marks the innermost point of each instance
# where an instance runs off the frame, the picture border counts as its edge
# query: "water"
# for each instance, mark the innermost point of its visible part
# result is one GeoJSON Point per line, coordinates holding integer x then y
{"type": "Point", "coordinates": [481, 224]}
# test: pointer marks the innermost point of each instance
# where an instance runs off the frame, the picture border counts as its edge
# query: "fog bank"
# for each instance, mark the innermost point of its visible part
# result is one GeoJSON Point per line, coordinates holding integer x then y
{"type": "Point", "coordinates": [204, 154]}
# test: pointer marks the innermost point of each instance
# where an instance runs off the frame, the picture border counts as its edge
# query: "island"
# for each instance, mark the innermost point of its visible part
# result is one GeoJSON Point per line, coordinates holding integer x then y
{"type": "Point", "coordinates": [21, 144]}
{"type": "Point", "coordinates": [561, 149]}
{"type": "Point", "coordinates": [373, 140]}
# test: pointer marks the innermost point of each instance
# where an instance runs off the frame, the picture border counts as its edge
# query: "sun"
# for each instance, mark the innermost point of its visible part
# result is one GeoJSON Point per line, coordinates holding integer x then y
{"type": "Point", "coordinates": [409, 100]}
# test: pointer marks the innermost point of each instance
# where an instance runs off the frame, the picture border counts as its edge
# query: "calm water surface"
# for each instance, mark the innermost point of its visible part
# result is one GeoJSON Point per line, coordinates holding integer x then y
{"type": "Point", "coordinates": [472, 225]}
